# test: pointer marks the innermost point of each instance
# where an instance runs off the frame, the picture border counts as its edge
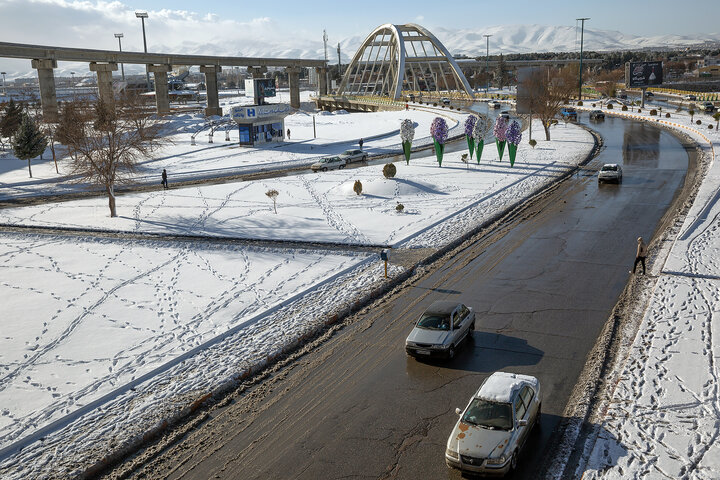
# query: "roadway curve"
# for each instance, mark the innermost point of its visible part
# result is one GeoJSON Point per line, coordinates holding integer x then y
{"type": "Point", "coordinates": [543, 284]}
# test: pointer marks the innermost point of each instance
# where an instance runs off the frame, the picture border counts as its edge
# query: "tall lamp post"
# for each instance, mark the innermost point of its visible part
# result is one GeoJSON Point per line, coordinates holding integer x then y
{"type": "Point", "coordinates": [142, 16]}
{"type": "Point", "coordinates": [4, 89]}
{"type": "Point", "coordinates": [72, 76]}
{"type": "Point", "coordinates": [582, 31]}
{"type": "Point", "coordinates": [122, 65]}
{"type": "Point", "coordinates": [487, 72]}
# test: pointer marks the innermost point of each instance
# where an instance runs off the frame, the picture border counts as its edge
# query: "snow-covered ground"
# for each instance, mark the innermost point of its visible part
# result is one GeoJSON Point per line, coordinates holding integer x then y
{"type": "Point", "coordinates": [662, 419]}
{"type": "Point", "coordinates": [108, 336]}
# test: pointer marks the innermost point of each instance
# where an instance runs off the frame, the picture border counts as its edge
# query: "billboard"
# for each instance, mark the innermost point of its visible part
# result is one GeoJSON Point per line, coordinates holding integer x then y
{"type": "Point", "coordinates": [259, 89]}
{"type": "Point", "coordinates": [643, 74]}
{"type": "Point", "coordinates": [530, 88]}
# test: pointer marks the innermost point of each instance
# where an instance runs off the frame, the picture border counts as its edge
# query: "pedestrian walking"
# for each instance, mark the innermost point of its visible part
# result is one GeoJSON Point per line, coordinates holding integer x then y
{"type": "Point", "coordinates": [640, 255]}
{"type": "Point", "coordinates": [164, 179]}
{"type": "Point", "coordinates": [360, 142]}
{"type": "Point", "coordinates": [288, 134]}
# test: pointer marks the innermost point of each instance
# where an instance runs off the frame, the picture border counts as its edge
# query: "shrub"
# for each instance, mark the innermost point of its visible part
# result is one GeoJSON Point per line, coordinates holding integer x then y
{"type": "Point", "coordinates": [389, 170]}
{"type": "Point", "coordinates": [272, 195]}
{"type": "Point", "coordinates": [624, 108]}
{"type": "Point", "coordinates": [639, 110]}
{"type": "Point", "coordinates": [610, 106]}
{"type": "Point", "coordinates": [667, 115]}
{"type": "Point", "coordinates": [593, 104]}
{"type": "Point", "coordinates": [532, 142]}
{"type": "Point", "coordinates": [710, 127]}
{"type": "Point", "coordinates": [399, 208]}
{"type": "Point", "coordinates": [698, 122]}
{"type": "Point", "coordinates": [357, 187]}
{"type": "Point", "coordinates": [435, 104]}
{"type": "Point", "coordinates": [580, 103]}
{"type": "Point", "coordinates": [653, 112]}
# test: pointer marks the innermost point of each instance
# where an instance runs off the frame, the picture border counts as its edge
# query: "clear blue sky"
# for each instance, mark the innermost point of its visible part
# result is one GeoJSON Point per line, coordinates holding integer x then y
{"type": "Point", "coordinates": [631, 17]}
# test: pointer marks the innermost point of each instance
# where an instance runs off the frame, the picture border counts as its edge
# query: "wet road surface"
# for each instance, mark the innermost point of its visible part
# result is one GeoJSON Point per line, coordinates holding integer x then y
{"type": "Point", "coordinates": [542, 285]}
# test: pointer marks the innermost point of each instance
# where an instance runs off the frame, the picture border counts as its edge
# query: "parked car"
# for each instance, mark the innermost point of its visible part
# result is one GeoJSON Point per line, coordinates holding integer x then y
{"type": "Point", "coordinates": [505, 114]}
{"type": "Point", "coordinates": [493, 104]}
{"type": "Point", "coordinates": [445, 101]}
{"type": "Point", "coordinates": [495, 425]}
{"type": "Point", "coordinates": [610, 172]}
{"type": "Point", "coordinates": [353, 155]}
{"type": "Point", "coordinates": [622, 95]}
{"type": "Point", "coordinates": [440, 330]}
{"type": "Point", "coordinates": [649, 94]}
{"type": "Point", "coordinates": [328, 163]}
{"type": "Point", "coordinates": [568, 113]}
{"type": "Point", "coordinates": [597, 115]}
{"type": "Point", "coordinates": [692, 98]}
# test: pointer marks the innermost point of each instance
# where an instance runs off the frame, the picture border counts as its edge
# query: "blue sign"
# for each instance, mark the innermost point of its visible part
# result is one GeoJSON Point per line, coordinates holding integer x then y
{"type": "Point", "coordinates": [250, 112]}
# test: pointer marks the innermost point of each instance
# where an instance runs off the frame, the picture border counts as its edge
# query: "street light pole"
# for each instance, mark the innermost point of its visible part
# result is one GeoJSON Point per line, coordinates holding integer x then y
{"type": "Point", "coordinates": [72, 76]}
{"type": "Point", "coordinates": [582, 31]}
{"type": "Point", "coordinates": [4, 89]}
{"type": "Point", "coordinates": [487, 72]}
{"type": "Point", "coordinates": [122, 65]}
{"type": "Point", "coordinates": [142, 16]}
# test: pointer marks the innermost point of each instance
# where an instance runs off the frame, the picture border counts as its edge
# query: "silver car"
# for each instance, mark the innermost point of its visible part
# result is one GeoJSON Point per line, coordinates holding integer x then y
{"type": "Point", "coordinates": [440, 330]}
{"type": "Point", "coordinates": [495, 425]}
{"type": "Point", "coordinates": [354, 155]}
{"type": "Point", "coordinates": [610, 172]}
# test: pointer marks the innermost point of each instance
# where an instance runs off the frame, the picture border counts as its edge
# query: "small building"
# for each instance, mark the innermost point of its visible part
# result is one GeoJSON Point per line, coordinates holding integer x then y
{"type": "Point", "coordinates": [259, 124]}
{"type": "Point", "coordinates": [709, 71]}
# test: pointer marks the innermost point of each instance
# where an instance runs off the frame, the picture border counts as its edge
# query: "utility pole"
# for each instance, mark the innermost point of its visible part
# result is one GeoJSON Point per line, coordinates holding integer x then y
{"type": "Point", "coordinates": [582, 31]}
{"type": "Point", "coordinates": [4, 89]}
{"type": "Point", "coordinates": [122, 65]}
{"type": "Point", "coordinates": [339, 64]}
{"type": "Point", "coordinates": [487, 72]}
{"type": "Point", "coordinates": [327, 72]}
{"type": "Point", "coordinates": [142, 16]}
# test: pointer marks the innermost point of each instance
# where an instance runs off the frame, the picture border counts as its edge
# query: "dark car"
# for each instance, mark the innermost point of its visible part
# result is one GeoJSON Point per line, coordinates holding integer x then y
{"type": "Point", "coordinates": [597, 115]}
{"type": "Point", "coordinates": [649, 94]}
{"type": "Point", "coordinates": [568, 113]}
{"type": "Point", "coordinates": [707, 107]}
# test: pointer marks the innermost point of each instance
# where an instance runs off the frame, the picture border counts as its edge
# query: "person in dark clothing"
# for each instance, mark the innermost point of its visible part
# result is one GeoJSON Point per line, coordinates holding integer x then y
{"type": "Point", "coordinates": [164, 179]}
{"type": "Point", "coordinates": [640, 255]}
{"type": "Point", "coordinates": [288, 134]}
{"type": "Point", "coordinates": [360, 142]}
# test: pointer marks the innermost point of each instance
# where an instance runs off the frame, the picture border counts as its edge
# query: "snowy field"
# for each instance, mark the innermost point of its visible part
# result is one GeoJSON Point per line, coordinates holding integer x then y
{"type": "Point", "coordinates": [662, 421]}
{"type": "Point", "coordinates": [108, 336]}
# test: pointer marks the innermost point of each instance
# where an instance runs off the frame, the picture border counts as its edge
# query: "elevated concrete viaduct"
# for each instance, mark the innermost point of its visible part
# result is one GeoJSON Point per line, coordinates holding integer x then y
{"type": "Point", "coordinates": [44, 59]}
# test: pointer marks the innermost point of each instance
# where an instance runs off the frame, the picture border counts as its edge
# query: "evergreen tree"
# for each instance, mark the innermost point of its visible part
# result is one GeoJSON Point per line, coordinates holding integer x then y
{"type": "Point", "coordinates": [11, 119]}
{"type": "Point", "coordinates": [29, 141]}
{"type": "Point", "coordinates": [501, 73]}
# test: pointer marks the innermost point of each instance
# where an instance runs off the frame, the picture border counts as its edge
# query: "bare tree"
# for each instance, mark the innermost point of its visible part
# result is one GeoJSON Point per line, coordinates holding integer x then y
{"type": "Point", "coordinates": [273, 194]}
{"type": "Point", "coordinates": [108, 144]}
{"type": "Point", "coordinates": [551, 88]}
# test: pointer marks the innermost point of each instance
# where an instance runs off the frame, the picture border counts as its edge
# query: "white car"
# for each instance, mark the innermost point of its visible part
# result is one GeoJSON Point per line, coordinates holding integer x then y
{"type": "Point", "coordinates": [494, 104]}
{"type": "Point", "coordinates": [445, 101]}
{"type": "Point", "coordinates": [610, 172]}
{"type": "Point", "coordinates": [495, 425]}
{"type": "Point", "coordinates": [328, 163]}
{"type": "Point", "coordinates": [440, 330]}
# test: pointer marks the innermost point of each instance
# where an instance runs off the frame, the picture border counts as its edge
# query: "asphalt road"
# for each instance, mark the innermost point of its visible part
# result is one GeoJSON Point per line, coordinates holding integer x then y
{"type": "Point", "coordinates": [542, 286]}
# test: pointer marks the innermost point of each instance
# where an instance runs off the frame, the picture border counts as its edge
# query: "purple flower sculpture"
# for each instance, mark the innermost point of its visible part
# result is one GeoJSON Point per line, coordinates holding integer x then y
{"type": "Point", "coordinates": [470, 124]}
{"type": "Point", "coordinates": [513, 137]}
{"type": "Point", "coordinates": [439, 132]}
{"type": "Point", "coordinates": [500, 132]}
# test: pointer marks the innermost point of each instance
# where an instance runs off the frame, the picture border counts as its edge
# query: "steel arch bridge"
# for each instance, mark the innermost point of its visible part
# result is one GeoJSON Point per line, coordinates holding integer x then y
{"type": "Point", "coordinates": [397, 58]}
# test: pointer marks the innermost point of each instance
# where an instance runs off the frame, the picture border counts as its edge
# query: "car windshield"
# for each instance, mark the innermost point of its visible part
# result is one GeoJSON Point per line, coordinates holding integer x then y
{"type": "Point", "coordinates": [349, 152]}
{"type": "Point", "coordinates": [434, 321]}
{"type": "Point", "coordinates": [488, 414]}
{"type": "Point", "coordinates": [609, 168]}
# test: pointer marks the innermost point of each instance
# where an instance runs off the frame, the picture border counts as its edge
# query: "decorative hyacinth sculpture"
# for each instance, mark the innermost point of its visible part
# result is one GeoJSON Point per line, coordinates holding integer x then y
{"type": "Point", "coordinates": [469, 126]}
{"type": "Point", "coordinates": [407, 133]}
{"type": "Point", "coordinates": [439, 132]}
{"type": "Point", "coordinates": [480, 129]}
{"type": "Point", "coordinates": [500, 132]}
{"type": "Point", "coordinates": [513, 138]}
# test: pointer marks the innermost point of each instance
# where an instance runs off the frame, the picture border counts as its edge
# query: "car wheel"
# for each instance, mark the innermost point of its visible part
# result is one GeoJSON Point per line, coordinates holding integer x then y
{"type": "Point", "coordinates": [364, 158]}
{"type": "Point", "coordinates": [537, 418]}
{"type": "Point", "coordinates": [513, 462]}
{"type": "Point", "coordinates": [340, 167]}
{"type": "Point", "coordinates": [324, 169]}
{"type": "Point", "coordinates": [451, 353]}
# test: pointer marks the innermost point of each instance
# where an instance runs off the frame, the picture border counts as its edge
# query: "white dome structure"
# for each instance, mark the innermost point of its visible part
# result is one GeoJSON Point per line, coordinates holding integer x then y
{"type": "Point", "coordinates": [402, 58]}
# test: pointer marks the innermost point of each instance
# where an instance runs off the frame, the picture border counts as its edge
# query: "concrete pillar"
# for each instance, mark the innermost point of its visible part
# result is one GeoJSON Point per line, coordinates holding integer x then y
{"type": "Point", "coordinates": [294, 82]}
{"type": "Point", "coordinates": [257, 72]}
{"type": "Point", "coordinates": [104, 81]}
{"type": "Point", "coordinates": [48, 98]}
{"type": "Point", "coordinates": [162, 99]}
{"type": "Point", "coordinates": [322, 80]}
{"type": "Point", "coordinates": [211, 85]}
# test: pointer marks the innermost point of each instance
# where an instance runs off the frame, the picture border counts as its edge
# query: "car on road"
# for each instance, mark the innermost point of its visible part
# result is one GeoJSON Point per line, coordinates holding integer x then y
{"type": "Point", "coordinates": [353, 155]}
{"type": "Point", "coordinates": [328, 163]}
{"type": "Point", "coordinates": [505, 114]}
{"type": "Point", "coordinates": [610, 172]}
{"type": "Point", "coordinates": [440, 330]}
{"type": "Point", "coordinates": [597, 115]}
{"type": "Point", "coordinates": [707, 107]}
{"type": "Point", "coordinates": [493, 104]}
{"type": "Point", "coordinates": [568, 113]}
{"type": "Point", "coordinates": [445, 101]}
{"type": "Point", "coordinates": [495, 425]}
{"type": "Point", "coordinates": [622, 96]}
{"type": "Point", "coordinates": [649, 94]}
{"type": "Point", "coordinates": [692, 98]}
